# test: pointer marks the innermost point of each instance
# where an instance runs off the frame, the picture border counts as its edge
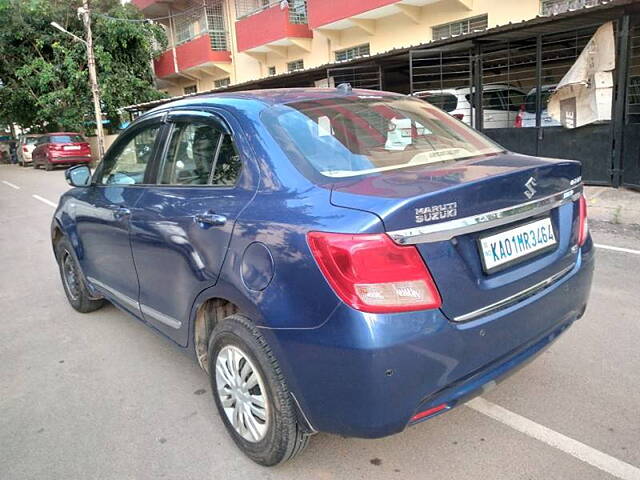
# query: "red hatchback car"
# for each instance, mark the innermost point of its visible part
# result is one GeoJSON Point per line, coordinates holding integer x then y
{"type": "Point", "coordinates": [61, 148]}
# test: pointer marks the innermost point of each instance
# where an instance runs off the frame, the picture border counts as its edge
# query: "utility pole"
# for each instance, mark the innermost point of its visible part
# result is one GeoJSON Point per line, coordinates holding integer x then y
{"type": "Point", "coordinates": [93, 77]}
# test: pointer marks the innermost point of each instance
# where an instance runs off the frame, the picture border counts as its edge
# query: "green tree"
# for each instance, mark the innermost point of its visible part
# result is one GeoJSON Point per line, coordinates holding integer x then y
{"type": "Point", "coordinates": [43, 72]}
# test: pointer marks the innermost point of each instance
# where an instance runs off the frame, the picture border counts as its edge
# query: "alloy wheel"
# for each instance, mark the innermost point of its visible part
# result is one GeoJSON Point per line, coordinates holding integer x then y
{"type": "Point", "coordinates": [242, 393]}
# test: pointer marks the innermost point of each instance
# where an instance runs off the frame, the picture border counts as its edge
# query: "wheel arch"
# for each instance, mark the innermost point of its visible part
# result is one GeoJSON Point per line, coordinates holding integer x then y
{"type": "Point", "coordinates": [211, 306]}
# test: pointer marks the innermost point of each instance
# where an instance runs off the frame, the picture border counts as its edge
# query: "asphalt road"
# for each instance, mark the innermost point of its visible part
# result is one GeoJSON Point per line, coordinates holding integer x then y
{"type": "Point", "coordinates": [103, 396]}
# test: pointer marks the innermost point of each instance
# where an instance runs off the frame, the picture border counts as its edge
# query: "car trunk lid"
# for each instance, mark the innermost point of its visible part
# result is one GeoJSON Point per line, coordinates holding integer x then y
{"type": "Point", "coordinates": [443, 210]}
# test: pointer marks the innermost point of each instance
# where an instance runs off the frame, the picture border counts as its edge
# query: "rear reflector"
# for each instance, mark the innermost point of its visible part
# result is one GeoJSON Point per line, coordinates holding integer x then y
{"type": "Point", "coordinates": [583, 225]}
{"type": "Point", "coordinates": [371, 273]}
{"type": "Point", "coordinates": [429, 412]}
{"type": "Point", "coordinates": [459, 116]}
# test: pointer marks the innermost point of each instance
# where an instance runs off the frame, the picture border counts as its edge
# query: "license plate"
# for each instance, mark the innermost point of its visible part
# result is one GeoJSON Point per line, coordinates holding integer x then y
{"type": "Point", "coordinates": [71, 147]}
{"type": "Point", "coordinates": [517, 244]}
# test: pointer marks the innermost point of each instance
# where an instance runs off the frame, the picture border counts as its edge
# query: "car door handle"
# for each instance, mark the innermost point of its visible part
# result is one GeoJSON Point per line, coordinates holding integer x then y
{"type": "Point", "coordinates": [121, 212]}
{"type": "Point", "coordinates": [210, 219]}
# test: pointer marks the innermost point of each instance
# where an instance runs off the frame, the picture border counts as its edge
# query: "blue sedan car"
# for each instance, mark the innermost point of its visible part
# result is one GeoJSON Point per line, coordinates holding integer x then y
{"type": "Point", "coordinates": [337, 260]}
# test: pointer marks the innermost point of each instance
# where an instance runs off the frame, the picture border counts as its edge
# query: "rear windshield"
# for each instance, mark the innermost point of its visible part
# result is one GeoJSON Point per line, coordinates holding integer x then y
{"type": "Point", "coordinates": [66, 139]}
{"type": "Point", "coordinates": [357, 135]}
{"type": "Point", "coordinates": [444, 101]}
{"type": "Point", "coordinates": [530, 102]}
{"type": "Point", "coordinates": [30, 140]}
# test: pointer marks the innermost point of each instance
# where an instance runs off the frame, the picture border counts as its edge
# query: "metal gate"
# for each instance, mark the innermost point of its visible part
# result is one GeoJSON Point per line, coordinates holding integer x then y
{"type": "Point", "coordinates": [501, 88]}
{"type": "Point", "coordinates": [359, 76]}
{"type": "Point", "coordinates": [444, 78]}
{"type": "Point", "coordinates": [630, 150]}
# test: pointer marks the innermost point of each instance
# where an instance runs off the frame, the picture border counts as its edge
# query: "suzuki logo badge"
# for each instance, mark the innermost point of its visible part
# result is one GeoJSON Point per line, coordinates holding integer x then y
{"type": "Point", "coordinates": [530, 191]}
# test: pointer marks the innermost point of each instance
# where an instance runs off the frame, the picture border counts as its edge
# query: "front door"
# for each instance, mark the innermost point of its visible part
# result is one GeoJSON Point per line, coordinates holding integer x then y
{"type": "Point", "coordinates": [103, 215]}
{"type": "Point", "coordinates": [182, 226]}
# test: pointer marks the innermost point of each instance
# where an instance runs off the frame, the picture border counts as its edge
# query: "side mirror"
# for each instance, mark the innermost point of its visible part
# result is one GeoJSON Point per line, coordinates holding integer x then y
{"type": "Point", "coordinates": [78, 176]}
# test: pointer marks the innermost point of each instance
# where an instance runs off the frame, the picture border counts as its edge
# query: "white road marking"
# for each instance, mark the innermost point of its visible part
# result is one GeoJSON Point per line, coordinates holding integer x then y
{"type": "Point", "coordinates": [44, 200]}
{"type": "Point", "coordinates": [579, 450]}
{"type": "Point", "coordinates": [617, 249]}
{"type": "Point", "coordinates": [12, 185]}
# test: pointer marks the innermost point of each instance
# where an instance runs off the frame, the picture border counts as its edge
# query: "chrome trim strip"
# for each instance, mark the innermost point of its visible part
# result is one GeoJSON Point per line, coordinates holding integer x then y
{"type": "Point", "coordinates": [461, 226]}
{"type": "Point", "coordinates": [160, 317]}
{"type": "Point", "coordinates": [118, 295]}
{"type": "Point", "coordinates": [513, 299]}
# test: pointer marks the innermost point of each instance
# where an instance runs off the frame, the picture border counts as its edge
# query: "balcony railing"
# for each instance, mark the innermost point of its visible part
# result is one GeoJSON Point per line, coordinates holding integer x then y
{"type": "Point", "coordinates": [207, 20]}
{"type": "Point", "coordinates": [297, 9]}
{"type": "Point", "coordinates": [195, 53]}
{"type": "Point", "coordinates": [273, 26]}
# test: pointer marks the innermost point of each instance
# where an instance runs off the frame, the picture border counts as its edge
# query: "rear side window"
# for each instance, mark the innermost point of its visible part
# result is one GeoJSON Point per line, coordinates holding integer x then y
{"type": "Point", "coordinates": [530, 102]}
{"type": "Point", "coordinates": [200, 154]}
{"type": "Point", "coordinates": [228, 166]}
{"type": "Point", "coordinates": [67, 139]}
{"type": "Point", "coordinates": [446, 102]}
{"type": "Point", "coordinates": [192, 151]}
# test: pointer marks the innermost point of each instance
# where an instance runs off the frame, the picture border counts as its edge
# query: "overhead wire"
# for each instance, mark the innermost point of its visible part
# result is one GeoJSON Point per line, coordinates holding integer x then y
{"type": "Point", "coordinates": [147, 20]}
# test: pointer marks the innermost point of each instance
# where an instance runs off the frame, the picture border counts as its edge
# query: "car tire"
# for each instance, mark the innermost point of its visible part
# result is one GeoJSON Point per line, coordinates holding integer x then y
{"type": "Point", "coordinates": [275, 435]}
{"type": "Point", "coordinates": [73, 282]}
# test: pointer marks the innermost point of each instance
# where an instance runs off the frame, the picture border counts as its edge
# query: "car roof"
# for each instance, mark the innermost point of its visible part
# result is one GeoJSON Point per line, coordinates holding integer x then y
{"type": "Point", "coordinates": [63, 133]}
{"type": "Point", "coordinates": [268, 97]}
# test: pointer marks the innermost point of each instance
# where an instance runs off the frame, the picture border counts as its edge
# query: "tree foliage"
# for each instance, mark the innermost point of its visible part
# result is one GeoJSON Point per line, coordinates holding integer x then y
{"type": "Point", "coordinates": [44, 82]}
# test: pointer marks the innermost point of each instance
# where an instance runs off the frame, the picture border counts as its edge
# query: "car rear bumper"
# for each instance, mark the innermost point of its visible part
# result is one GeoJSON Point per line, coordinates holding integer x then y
{"type": "Point", "coordinates": [368, 375]}
{"type": "Point", "coordinates": [69, 160]}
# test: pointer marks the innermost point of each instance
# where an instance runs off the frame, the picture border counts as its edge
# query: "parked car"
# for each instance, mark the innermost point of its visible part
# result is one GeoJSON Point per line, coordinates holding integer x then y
{"type": "Point", "coordinates": [337, 260]}
{"type": "Point", "coordinates": [7, 149]}
{"type": "Point", "coordinates": [501, 103]}
{"type": "Point", "coordinates": [527, 115]}
{"type": "Point", "coordinates": [26, 145]}
{"type": "Point", "coordinates": [60, 148]}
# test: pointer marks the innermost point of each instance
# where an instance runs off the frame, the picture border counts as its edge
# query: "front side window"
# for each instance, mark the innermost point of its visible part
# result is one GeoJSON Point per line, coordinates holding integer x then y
{"type": "Point", "coordinates": [191, 154]}
{"type": "Point", "coordinates": [349, 136]}
{"type": "Point", "coordinates": [128, 165]}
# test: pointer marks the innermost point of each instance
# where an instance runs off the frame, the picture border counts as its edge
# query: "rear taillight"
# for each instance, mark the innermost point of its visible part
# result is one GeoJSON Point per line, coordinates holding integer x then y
{"type": "Point", "coordinates": [583, 225]}
{"type": "Point", "coordinates": [518, 121]}
{"type": "Point", "coordinates": [25, 149]}
{"type": "Point", "coordinates": [459, 116]}
{"type": "Point", "coordinates": [371, 273]}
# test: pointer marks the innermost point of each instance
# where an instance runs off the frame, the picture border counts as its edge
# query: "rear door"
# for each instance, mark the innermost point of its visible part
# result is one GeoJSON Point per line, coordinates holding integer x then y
{"type": "Point", "coordinates": [181, 228]}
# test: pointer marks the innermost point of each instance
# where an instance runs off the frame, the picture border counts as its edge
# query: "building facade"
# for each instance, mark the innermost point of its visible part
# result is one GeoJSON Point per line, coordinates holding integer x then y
{"type": "Point", "coordinates": [216, 43]}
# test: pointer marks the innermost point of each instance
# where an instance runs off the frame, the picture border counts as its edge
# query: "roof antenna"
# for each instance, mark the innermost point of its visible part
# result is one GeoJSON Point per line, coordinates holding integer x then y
{"type": "Point", "coordinates": [344, 88]}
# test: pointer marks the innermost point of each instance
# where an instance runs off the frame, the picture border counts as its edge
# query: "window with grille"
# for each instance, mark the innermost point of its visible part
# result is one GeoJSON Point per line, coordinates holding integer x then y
{"type": "Point", "coordinates": [190, 89]}
{"type": "Point", "coordinates": [351, 53]}
{"type": "Point", "coordinates": [272, 71]}
{"type": "Point", "coordinates": [215, 25]}
{"type": "Point", "coordinates": [295, 65]}
{"type": "Point", "coordinates": [453, 29]}
{"type": "Point", "coordinates": [223, 82]}
{"type": "Point", "coordinates": [298, 11]}
{"type": "Point", "coordinates": [554, 7]}
{"type": "Point", "coordinates": [185, 29]}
